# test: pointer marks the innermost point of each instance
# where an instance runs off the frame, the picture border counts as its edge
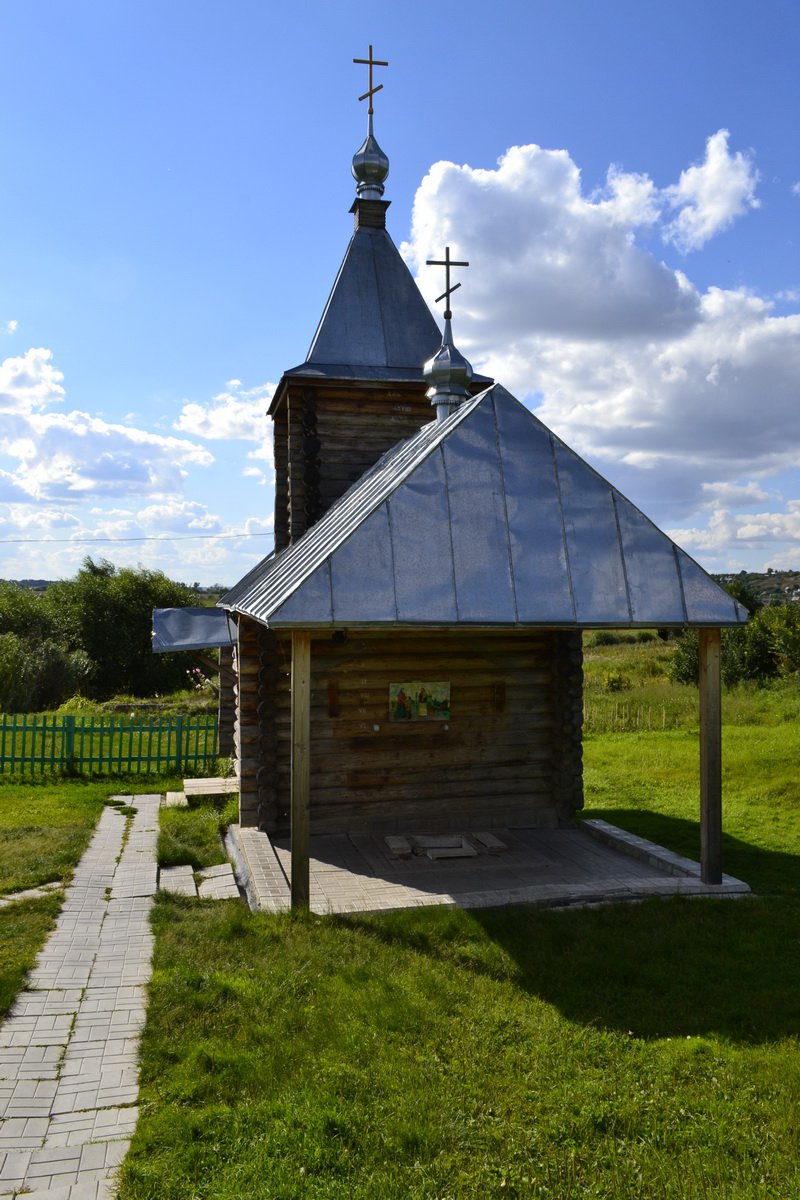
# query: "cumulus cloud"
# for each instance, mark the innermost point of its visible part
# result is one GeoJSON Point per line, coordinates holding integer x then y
{"type": "Point", "coordinates": [66, 456]}
{"type": "Point", "coordinates": [710, 195]}
{"type": "Point", "coordinates": [29, 382]}
{"type": "Point", "coordinates": [686, 399]}
{"type": "Point", "coordinates": [543, 255]}
{"type": "Point", "coordinates": [9, 327]}
{"type": "Point", "coordinates": [236, 413]}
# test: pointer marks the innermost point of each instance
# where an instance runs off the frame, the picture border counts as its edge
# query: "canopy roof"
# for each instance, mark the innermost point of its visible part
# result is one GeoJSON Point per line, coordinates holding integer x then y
{"type": "Point", "coordinates": [190, 629]}
{"type": "Point", "coordinates": [488, 519]}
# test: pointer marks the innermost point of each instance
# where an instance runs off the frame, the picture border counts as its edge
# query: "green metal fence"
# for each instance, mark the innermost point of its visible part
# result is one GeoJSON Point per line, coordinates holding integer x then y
{"type": "Point", "coordinates": [38, 742]}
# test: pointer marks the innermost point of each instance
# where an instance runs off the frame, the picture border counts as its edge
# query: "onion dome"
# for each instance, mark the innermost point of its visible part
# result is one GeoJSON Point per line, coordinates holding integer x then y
{"type": "Point", "coordinates": [449, 375]}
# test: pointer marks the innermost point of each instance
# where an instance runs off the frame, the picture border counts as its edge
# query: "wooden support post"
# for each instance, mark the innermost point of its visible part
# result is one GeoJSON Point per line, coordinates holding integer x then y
{"type": "Point", "coordinates": [710, 757]}
{"type": "Point", "coordinates": [301, 773]}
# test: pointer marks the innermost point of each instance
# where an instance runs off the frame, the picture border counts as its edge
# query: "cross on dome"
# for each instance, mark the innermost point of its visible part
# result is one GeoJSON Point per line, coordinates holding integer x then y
{"type": "Point", "coordinates": [371, 62]}
{"type": "Point", "coordinates": [447, 263]}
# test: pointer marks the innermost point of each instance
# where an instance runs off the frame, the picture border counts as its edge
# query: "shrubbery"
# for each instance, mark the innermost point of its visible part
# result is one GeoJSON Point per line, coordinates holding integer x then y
{"type": "Point", "coordinates": [90, 634]}
{"type": "Point", "coordinates": [766, 648]}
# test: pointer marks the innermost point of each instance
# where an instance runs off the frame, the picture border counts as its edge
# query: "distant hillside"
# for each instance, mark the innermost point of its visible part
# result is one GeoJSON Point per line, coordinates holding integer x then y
{"type": "Point", "coordinates": [771, 587]}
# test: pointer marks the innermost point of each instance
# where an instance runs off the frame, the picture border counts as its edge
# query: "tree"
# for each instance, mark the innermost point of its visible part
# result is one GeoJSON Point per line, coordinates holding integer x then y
{"type": "Point", "coordinates": [108, 614]}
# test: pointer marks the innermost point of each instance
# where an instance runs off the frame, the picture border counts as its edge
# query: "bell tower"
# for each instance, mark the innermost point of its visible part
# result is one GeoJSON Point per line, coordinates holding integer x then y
{"type": "Point", "coordinates": [361, 388]}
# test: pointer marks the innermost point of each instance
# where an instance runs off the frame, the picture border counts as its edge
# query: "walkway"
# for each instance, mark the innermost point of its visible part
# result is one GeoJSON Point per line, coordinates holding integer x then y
{"type": "Point", "coordinates": [69, 1047]}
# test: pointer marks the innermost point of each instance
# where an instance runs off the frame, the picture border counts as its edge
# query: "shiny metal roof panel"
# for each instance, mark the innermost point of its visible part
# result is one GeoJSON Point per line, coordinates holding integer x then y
{"type": "Point", "coordinates": [375, 315]}
{"type": "Point", "coordinates": [654, 584]}
{"type": "Point", "coordinates": [484, 582]}
{"type": "Point", "coordinates": [420, 532]}
{"type": "Point", "coordinates": [535, 520]}
{"type": "Point", "coordinates": [484, 518]}
{"type": "Point", "coordinates": [362, 573]}
{"type": "Point", "coordinates": [702, 606]}
{"type": "Point", "coordinates": [594, 552]}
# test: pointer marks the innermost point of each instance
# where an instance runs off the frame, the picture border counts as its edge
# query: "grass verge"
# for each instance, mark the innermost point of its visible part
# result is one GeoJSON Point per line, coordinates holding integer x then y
{"type": "Point", "coordinates": [625, 1052]}
{"type": "Point", "coordinates": [23, 929]}
{"type": "Point", "coordinates": [646, 1051]}
{"type": "Point", "coordinates": [192, 836]}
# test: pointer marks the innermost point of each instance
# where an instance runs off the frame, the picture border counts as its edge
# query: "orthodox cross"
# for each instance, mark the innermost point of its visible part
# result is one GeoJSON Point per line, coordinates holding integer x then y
{"type": "Point", "coordinates": [447, 263]}
{"type": "Point", "coordinates": [371, 62]}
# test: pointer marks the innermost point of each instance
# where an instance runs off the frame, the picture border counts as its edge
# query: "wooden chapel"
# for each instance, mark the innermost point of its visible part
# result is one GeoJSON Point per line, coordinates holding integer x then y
{"type": "Point", "coordinates": [408, 659]}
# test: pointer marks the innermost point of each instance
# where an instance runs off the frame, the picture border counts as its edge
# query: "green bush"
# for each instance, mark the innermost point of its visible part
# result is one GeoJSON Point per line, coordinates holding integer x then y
{"type": "Point", "coordinates": [766, 648]}
{"type": "Point", "coordinates": [37, 675]}
{"type": "Point", "coordinates": [108, 614]}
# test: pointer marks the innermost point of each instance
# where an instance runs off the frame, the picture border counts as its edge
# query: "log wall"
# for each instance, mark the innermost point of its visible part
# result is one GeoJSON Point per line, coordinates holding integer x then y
{"type": "Point", "coordinates": [326, 437]}
{"type": "Point", "coordinates": [510, 754]}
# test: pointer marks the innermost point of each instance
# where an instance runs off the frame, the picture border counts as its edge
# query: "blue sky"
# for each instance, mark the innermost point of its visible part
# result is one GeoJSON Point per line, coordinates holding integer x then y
{"type": "Point", "coordinates": [174, 207]}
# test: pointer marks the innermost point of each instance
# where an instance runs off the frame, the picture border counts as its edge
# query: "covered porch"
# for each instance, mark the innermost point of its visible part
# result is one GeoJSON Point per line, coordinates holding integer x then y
{"type": "Point", "coordinates": [592, 862]}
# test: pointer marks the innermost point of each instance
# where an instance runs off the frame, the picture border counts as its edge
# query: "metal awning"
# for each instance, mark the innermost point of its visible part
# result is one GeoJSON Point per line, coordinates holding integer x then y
{"type": "Point", "coordinates": [191, 629]}
{"type": "Point", "coordinates": [487, 519]}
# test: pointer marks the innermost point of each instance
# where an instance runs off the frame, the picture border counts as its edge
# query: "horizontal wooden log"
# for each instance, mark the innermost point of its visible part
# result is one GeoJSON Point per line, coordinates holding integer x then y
{"type": "Point", "coordinates": [457, 774]}
{"type": "Point", "coordinates": [497, 812]}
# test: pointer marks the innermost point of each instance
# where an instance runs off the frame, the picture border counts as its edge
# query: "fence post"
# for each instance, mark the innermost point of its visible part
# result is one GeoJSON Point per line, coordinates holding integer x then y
{"type": "Point", "coordinates": [178, 743]}
{"type": "Point", "coordinates": [68, 745]}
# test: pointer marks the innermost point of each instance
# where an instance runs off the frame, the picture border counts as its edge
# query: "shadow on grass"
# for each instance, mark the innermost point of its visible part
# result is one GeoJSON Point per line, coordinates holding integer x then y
{"type": "Point", "coordinates": [662, 968]}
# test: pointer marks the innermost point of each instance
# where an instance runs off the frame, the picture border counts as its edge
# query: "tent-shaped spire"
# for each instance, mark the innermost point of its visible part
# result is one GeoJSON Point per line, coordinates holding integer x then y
{"type": "Point", "coordinates": [488, 519]}
{"type": "Point", "coordinates": [375, 316]}
{"type": "Point", "coordinates": [376, 325]}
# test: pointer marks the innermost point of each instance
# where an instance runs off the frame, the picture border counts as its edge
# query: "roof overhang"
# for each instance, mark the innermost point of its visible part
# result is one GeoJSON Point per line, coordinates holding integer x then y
{"type": "Point", "coordinates": [191, 629]}
{"type": "Point", "coordinates": [484, 520]}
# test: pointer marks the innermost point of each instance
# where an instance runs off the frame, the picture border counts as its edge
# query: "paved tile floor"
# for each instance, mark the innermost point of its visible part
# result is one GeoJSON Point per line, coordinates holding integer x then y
{"type": "Point", "coordinates": [69, 1047]}
{"type": "Point", "coordinates": [591, 863]}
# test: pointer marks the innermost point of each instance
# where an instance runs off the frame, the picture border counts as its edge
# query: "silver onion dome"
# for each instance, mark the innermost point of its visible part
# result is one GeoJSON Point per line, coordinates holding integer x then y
{"type": "Point", "coordinates": [370, 167]}
{"type": "Point", "coordinates": [449, 374]}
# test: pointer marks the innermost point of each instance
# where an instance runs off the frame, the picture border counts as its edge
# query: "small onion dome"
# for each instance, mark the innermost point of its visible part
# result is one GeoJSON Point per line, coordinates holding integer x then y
{"type": "Point", "coordinates": [370, 168]}
{"type": "Point", "coordinates": [449, 374]}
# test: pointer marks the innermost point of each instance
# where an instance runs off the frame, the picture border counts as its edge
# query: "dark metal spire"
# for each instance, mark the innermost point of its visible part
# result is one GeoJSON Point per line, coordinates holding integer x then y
{"type": "Point", "coordinates": [448, 371]}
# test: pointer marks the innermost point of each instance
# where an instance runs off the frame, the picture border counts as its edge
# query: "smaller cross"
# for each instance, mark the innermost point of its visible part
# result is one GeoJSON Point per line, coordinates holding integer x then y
{"type": "Point", "coordinates": [371, 62]}
{"type": "Point", "coordinates": [447, 263]}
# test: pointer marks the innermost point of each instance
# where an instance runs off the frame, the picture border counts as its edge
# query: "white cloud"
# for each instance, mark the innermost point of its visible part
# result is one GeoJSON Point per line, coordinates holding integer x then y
{"type": "Point", "coordinates": [542, 256]}
{"type": "Point", "coordinates": [710, 195]}
{"type": "Point", "coordinates": [9, 327]}
{"type": "Point", "coordinates": [232, 414]}
{"type": "Point", "coordinates": [686, 400]}
{"type": "Point", "coordinates": [734, 495]}
{"type": "Point", "coordinates": [29, 382]}
{"type": "Point", "coordinates": [796, 189]}
{"type": "Point", "coordinates": [68, 455]}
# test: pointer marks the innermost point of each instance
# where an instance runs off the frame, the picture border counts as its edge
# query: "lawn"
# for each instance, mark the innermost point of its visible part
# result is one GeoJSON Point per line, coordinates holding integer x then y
{"type": "Point", "coordinates": [646, 1051]}
{"type": "Point", "coordinates": [45, 826]}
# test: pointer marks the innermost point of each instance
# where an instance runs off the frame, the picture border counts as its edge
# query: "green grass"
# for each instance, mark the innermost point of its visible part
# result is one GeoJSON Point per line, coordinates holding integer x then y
{"type": "Point", "coordinates": [627, 689]}
{"type": "Point", "coordinates": [44, 829]}
{"type": "Point", "coordinates": [193, 836]}
{"type": "Point", "coordinates": [23, 928]}
{"type": "Point", "coordinates": [646, 1051]}
{"type": "Point", "coordinates": [650, 785]}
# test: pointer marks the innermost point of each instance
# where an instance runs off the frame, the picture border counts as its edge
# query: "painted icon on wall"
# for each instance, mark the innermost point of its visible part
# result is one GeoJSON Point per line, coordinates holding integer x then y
{"type": "Point", "coordinates": [418, 701]}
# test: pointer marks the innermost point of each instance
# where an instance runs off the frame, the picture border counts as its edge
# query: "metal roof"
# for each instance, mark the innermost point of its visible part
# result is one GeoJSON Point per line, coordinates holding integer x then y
{"type": "Point", "coordinates": [375, 315]}
{"type": "Point", "coordinates": [486, 518]}
{"type": "Point", "coordinates": [190, 629]}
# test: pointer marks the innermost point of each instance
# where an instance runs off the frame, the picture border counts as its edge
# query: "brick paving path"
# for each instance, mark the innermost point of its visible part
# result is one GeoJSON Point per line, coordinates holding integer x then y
{"type": "Point", "coordinates": [69, 1047]}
